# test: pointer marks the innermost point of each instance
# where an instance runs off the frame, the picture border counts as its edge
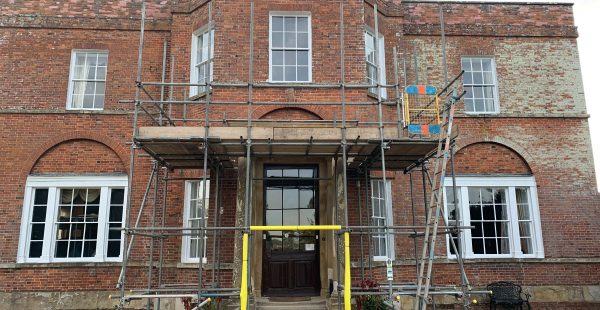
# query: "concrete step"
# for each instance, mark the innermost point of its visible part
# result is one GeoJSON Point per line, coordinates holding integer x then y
{"type": "Point", "coordinates": [293, 304]}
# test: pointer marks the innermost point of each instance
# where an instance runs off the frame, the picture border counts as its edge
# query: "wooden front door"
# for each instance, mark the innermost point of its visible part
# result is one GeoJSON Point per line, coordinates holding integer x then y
{"type": "Point", "coordinates": [291, 258]}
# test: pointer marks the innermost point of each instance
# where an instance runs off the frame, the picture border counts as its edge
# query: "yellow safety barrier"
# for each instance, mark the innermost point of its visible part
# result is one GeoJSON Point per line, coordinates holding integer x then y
{"type": "Point", "coordinates": [347, 279]}
{"type": "Point", "coordinates": [244, 284]}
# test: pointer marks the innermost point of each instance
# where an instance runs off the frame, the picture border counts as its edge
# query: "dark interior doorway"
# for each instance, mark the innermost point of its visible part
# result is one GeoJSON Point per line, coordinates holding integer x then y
{"type": "Point", "coordinates": [291, 258]}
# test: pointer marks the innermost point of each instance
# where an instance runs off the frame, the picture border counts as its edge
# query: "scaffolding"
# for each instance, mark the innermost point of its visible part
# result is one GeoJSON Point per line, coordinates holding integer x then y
{"type": "Point", "coordinates": [378, 146]}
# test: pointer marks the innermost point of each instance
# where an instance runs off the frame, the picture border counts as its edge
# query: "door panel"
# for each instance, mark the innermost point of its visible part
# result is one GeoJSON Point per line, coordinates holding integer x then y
{"type": "Point", "coordinates": [291, 258]}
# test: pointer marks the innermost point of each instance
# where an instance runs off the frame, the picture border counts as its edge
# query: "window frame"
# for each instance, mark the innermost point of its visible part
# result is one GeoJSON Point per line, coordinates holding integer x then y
{"type": "Point", "coordinates": [196, 90]}
{"type": "Point", "coordinates": [390, 244]}
{"type": "Point", "coordinates": [54, 185]}
{"type": "Point", "coordinates": [509, 183]}
{"type": "Point", "coordinates": [380, 58]}
{"type": "Point", "coordinates": [494, 88]}
{"type": "Point", "coordinates": [186, 240]}
{"type": "Point", "coordinates": [69, 105]}
{"type": "Point", "coordinates": [309, 49]}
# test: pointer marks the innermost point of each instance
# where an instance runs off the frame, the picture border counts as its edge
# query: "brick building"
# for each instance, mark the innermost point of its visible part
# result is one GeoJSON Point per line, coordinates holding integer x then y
{"type": "Point", "coordinates": [71, 104]}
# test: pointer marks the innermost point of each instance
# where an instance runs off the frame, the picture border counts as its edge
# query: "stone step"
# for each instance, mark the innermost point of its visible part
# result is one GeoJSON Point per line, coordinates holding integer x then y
{"type": "Point", "coordinates": [293, 304]}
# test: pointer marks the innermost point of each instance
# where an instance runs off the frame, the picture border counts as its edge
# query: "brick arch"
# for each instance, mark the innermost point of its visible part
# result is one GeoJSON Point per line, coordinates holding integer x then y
{"type": "Point", "coordinates": [285, 113]}
{"type": "Point", "coordinates": [490, 157]}
{"type": "Point", "coordinates": [115, 147]}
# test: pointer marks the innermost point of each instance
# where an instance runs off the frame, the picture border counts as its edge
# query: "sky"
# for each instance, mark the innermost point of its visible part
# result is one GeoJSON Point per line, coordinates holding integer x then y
{"type": "Point", "coordinates": [588, 26]}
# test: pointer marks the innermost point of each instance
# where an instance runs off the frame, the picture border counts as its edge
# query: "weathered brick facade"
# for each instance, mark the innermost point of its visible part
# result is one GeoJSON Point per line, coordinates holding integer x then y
{"type": "Point", "coordinates": [541, 129]}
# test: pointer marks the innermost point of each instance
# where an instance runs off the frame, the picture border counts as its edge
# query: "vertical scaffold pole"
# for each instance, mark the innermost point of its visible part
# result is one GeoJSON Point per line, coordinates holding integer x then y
{"type": "Point", "coordinates": [202, 239]}
{"type": "Point", "coordinates": [360, 223]}
{"type": "Point", "coordinates": [162, 238]}
{"type": "Point", "coordinates": [216, 219]}
{"type": "Point", "coordinates": [347, 281]}
{"type": "Point", "coordinates": [337, 236]}
{"type": "Point", "coordinates": [381, 134]}
{"type": "Point", "coordinates": [121, 281]}
{"type": "Point", "coordinates": [153, 223]}
{"type": "Point", "coordinates": [397, 90]}
{"type": "Point", "coordinates": [162, 81]}
{"type": "Point", "coordinates": [247, 202]}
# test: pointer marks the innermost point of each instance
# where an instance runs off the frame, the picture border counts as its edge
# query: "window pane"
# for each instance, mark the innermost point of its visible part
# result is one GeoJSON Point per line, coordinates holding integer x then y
{"type": "Point", "coordinates": [113, 249]}
{"type": "Point", "coordinates": [99, 102]}
{"type": "Point", "coordinates": [303, 73]}
{"type": "Point", "coordinates": [486, 64]}
{"type": "Point", "coordinates": [302, 24]}
{"type": "Point", "coordinates": [478, 230]}
{"type": "Point", "coordinates": [88, 101]}
{"type": "Point", "coordinates": [99, 88]}
{"type": "Point", "coordinates": [290, 73]}
{"type": "Point", "coordinates": [41, 196]}
{"type": "Point", "coordinates": [302, 40]}
{"type": "Point", "coordinates": [37, 232]}
{"type": "Point", "coordinates": [75, 248]}
{"type": "Point", "coordinates": [307, 217]}
{"type": "Point", "coordinates": [114, 233]}
{"type": "Point", "coordinates": [35, 249]}
{"type": "Point", "coordinates": [290, 39]}
{"type": "Point", "coordinates": [117, 196]}
{"type": "Point", "coordinates": [101, 73]}
{"type": "Point", "coordinates": [525, 229]}
{"type": "Point", "coordinates": [61, 249]}
{"type": "Point", "coordinates": [277, 39]}
{"type": "Point", "coordinates": [290, 217]}
{"type": "Point", "coordinates": [277, 57]}
{"type": "Point", "coordinates": [274, 198]}
{"type": "Point", "coordinates": [277, 73]}
{"type": "Point", "coordinates": [39, 214]}
{"type": "Point", "coordinates": [476, 63]}
{"type": "Point", "coordinates": [290, 58]}
{"type": "Point", "coordinates": [277, 23]}
{"type": "Point", "coordinates": [89, 249]}
{"type": "Point", "coordinates": [306, 198]}
{"type": "Point", "coordinates": [302, 58]}
{"type": "Point", "coordinates": [526, 246]}
{"type": "Point", "coordinates": [102, 59]}
{"type": "Point", "coordinates": [274, 217]}
{"type": "Point", "coordinates": [290, 23]}
{"type": "Point", "coordinates": [271, 173]}
{"type": "Point", "coordinates": [80, 59]}
{"type": "Point", "coordinates": [116, 213]}
{"type": "Point", "coordinates": [468, 78]}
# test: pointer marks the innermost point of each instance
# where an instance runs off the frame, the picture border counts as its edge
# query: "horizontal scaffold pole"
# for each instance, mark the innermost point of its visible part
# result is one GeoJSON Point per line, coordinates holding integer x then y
{"type": "Point", "coordinates": [300, 227]}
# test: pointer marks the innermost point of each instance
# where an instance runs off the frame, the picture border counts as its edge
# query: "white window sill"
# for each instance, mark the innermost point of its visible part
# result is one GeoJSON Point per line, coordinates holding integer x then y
{"type": "Point", "coordinates": [62, 264]}
{"type": "Point", "coordinates": [83, 109]}
{"type": "Point", "coordinates": [290, 82]}
{"type": "Point", "coordinates": [481, 113]}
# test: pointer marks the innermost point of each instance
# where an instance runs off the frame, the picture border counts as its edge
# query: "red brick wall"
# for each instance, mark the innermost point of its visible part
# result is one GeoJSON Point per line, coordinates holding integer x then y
{"type": "Point", "coordinates": [489, 158]}
{"type": "Point", "coordinates": [542, 128]}
{"type": "Point", "coordinates": [79, 156]}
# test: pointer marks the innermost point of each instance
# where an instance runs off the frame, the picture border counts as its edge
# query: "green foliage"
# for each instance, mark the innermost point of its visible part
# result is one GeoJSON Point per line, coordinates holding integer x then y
{"type": "Point", "coordinates": [369, 302]}
{"type": "Point", "coordinates": [373, 302]}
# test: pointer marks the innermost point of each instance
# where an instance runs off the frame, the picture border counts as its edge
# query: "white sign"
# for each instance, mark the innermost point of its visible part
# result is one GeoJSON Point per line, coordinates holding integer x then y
{"type": "Point", "coordinates": [390, 270]}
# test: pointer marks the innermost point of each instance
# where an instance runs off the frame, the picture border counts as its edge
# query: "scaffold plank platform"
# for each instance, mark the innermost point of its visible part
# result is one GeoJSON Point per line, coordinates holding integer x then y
{"type": "Point", "coordinates": [183, 147]}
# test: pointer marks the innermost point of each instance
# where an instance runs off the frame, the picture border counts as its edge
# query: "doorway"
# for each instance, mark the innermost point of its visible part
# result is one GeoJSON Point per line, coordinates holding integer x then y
{"type": "Point", "coordinates": [291, 258]}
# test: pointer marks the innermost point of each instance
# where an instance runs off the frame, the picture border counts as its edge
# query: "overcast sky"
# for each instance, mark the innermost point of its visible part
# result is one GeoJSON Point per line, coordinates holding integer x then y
{"type": "Point", "coordinates": [587, 21]}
